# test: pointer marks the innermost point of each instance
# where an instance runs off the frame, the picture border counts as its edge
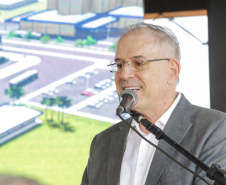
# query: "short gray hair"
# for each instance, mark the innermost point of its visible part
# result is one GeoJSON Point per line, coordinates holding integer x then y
{"type": "Point", "coordinates": [165, 35]}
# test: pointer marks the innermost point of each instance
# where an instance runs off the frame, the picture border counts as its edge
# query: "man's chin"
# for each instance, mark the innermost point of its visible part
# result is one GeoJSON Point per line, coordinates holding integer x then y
{"type": "Point", "coordinates": [139, 108]}
{"type": "Point", "coordinates": [136, 108]}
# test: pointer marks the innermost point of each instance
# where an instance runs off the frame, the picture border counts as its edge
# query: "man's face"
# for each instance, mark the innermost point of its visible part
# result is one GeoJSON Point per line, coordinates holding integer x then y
{"type": "Point", "coordinates": [151, 83]}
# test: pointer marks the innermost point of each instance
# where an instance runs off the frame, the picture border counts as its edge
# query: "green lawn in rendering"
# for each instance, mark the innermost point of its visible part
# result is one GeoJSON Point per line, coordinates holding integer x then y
{"type": "Point", "coordinates": [51, 153]}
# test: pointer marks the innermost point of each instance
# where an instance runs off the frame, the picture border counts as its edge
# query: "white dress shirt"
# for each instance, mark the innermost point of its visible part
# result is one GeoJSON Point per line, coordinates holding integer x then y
{"type": "Point", "coordinates": [139, 154]}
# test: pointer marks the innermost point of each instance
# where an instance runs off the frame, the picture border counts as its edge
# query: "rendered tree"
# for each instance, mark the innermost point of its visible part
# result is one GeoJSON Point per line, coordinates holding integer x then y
{"type": "Point", "coordinates": [91, 40]}
{"type": "Point", "coordinates": [14, 92]}
{"type": "Point", "coordinates": [58, 103]}
{"type": "Point", "coordinates": [12, 34]}
{"type": "Point", "coordinates": [3, 60]}
{"type": "Point", "coordinates": [63, 102]}
{"type": "Point", "coordinates": [29, 35]}
{"type": "Point", "coordinates": [45, 101]}
{"type": "Point", "coordinates": [85, 42]}
{"type": "Point", "coordinates": [52, 102]}
{"type": "Point", "coordinates": [45, 39]}
{"type": "Point", "coordinates": [78, 42]}
{"type": "Point", "coordinates": [59, 39]}
{"type": "Point", "coordinates": [49, 102]}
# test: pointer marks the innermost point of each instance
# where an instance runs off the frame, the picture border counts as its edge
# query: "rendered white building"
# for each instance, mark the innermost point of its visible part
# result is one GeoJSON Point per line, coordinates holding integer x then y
{"type": "Point", "coordinates": [15, 120]}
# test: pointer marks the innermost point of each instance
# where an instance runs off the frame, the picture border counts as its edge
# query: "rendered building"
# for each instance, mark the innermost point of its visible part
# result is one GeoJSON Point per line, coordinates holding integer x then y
{"type": "Point", "coordinates": [10, 5]}
{"type": "Point", "coordinates": [68, 7]}
{"type": "Point", "coordinates": [15, 120]}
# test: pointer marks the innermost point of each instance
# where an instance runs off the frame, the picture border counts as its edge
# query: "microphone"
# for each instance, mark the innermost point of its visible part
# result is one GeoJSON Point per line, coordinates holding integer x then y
{"type": "Point", "coordinates": [128, 99]}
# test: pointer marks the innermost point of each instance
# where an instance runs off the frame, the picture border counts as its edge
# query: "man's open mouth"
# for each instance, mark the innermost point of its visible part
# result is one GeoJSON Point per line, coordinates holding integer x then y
{"type": "Point", "coordinates": [132, 88]}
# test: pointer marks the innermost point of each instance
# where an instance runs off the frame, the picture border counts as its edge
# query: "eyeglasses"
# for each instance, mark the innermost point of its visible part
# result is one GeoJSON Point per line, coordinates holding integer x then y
{"type": "Point", "coordinates": [136, 64]}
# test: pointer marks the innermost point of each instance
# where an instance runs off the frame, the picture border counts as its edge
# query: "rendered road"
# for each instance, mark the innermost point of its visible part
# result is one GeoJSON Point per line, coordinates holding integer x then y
{"type": "Point", "coordinates": [59, 65]}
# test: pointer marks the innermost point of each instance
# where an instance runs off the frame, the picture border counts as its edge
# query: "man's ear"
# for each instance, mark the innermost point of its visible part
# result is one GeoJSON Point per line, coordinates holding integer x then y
{"type": "Point", "coordinates": [174, 72]}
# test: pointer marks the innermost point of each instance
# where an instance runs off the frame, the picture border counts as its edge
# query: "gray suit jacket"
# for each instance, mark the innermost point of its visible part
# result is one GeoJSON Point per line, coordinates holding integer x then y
{"type": "Point", "coordinates": [200, 131]}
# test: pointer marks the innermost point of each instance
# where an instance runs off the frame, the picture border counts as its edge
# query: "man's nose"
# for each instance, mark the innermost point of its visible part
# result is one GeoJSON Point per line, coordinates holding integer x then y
{"type": "Point", "coordinates": [126, 71]}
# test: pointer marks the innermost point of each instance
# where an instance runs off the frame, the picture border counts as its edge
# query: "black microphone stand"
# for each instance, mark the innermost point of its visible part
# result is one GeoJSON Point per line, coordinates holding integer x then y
{"type": "Point", "coordinates": [214, 172]}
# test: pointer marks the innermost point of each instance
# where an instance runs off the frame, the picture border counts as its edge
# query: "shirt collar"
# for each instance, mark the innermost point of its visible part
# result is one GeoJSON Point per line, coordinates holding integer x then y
{"type": "Point", "coordinates": [165, 117]}
{"type": "Point", "coordinates": [161, 122]}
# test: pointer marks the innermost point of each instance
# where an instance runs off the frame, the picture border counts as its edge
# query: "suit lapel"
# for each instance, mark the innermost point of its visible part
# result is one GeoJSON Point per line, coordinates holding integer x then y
{"type": "Point", "coordinates": [116, 151]}
{"type": "Point", "coordinates": [177, 127]}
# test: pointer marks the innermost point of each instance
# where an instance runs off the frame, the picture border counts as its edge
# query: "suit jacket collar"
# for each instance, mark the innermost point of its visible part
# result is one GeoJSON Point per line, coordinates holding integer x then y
{"type": "Point", "coordinates": [116, 151]}
{"type": "Point", "coordinates": [177, 127]}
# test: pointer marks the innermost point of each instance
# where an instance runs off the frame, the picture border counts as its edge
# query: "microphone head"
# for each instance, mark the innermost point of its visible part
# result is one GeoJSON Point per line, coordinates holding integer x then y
{"type": "Point", "coordinates": [129, 92]}
{"type": "Point", "coordinates": [128, 99]}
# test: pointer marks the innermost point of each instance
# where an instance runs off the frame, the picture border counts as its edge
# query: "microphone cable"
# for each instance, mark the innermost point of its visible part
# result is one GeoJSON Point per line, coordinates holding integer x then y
{"type": "Point", "coordinates": [161, 150]}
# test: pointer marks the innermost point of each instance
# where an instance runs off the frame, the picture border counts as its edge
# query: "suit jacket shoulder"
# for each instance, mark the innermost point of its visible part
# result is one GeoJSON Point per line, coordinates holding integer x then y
{"type": "Point", "coordinates": [200, 131]}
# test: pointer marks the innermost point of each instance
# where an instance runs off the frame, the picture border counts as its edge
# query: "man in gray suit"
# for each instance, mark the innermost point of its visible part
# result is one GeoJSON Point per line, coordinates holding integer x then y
{"type": "Point", "coordinates": [147, 61]}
